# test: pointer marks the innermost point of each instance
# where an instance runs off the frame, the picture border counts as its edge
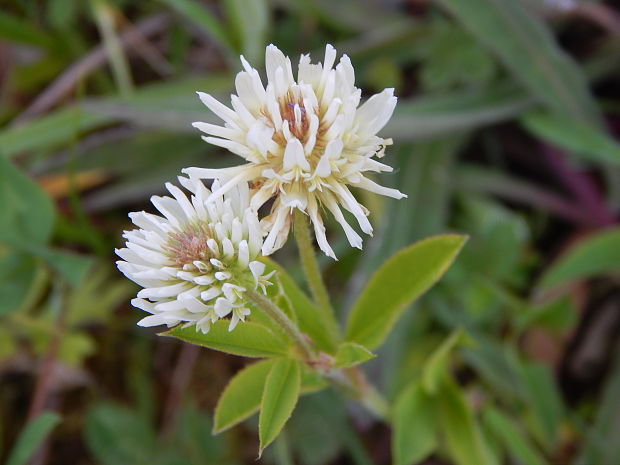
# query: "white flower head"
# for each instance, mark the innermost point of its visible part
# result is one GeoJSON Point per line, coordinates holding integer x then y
{"type": "Point", "coordinates": [306, 141]}
{"type": "Point", "coordinates": [196, 261]}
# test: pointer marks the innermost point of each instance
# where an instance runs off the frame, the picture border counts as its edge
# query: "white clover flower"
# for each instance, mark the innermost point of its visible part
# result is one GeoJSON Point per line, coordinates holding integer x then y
{"type": "Point", "coordinates": [305, 143]}
{"type": "Point", "coordinates": [196, 261]}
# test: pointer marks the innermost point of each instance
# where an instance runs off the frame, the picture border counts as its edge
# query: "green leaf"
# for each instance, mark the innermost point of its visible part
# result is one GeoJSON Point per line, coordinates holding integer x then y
{"type": "Point", "coordinates": [247, 340]}
{"type": "Point", "coordinates": [579, 139]}
{"type": "Point", "coordinates": [17, 30]}
{"type": "Point", "coordinates": [60, 126]}
{"type": "Point", "coordinates": [512, 438]}
{"type": "Point", "coordinates": [193, 443]}
{"type": "Point", "coordinates": [27, 214]}
{"type": "Point", "coordinates": [414, 420]}
{"type": "Point", "coordinates": [398, 282]}
{"type": "Point", "coordinates": [600, 443]}
{"type": "Point", "coordinates": [350, 354]}
{"type": "Point", "coordinates": [305, 310]}
{"type": "Point", "coordinates": [73, 267]}
{"type": "Point", "coordinates": [596, 254]}
{"type": "Point", "coordinates": [544, 403]}
{"type": "Point", "coordinates": [446, 52]}
{"type": "Point", "coordinates": [557, 315]}
{"type": "Point", "coordinates": [115, 434]}
{"type": "Point", "coordinates": [528, 49]}
{"type": "Point", "coordinates": [496, 367]}
{"type": "Point", "coordinates": [75, 347]}
{"type": "Point", "coordinates": [242, 396]}
{"type": "Point", "coordinates": [436, 366]}
{"type": "Point", "coordinates": [17, 277]}
{"type": "Point", "coordinates": [279, 398]}
{"type": "Point", "coordinates": [499, 236]}
{"type": "Point", "coordinates": [462, 435]}
{"type": "Point", "coordinates": [31, 437]}
{"type": "Point", "coordinates": [8, 345]}
{"type": "Point", "coordinates": [63, 15]}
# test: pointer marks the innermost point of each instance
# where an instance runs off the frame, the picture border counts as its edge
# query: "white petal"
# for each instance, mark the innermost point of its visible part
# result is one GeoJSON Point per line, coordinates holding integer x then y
{"type": "Point", "coordinates": [372, 186]}
{"type": "Point", "coordinates": [243, 256]}
{"type": "Point", "coordinates": [182, 200]}
{"type": "Point", "coordinates": [275, 59]}
{"type": "Point", "coordinates": [210, 293]}
{"type": "Point", "coordinates": [204, 280]}
{"type": "Point", "coordinates": [328, 62]}
{"type": "Point", "coordinates": [257, 269]}
{"type": "Point", "coordinates": [247, 92]}
{"type": "Point", "coordinates": [234, 147]}
{"type": "Point", "coordinates": [352, 205]}
{"type": "Point", "coordinates": [233, 321]}
{"type": "Point", "coordinates": [376, 111]}
{"type": "Point", "coordinates": [215, 130]}
{"type": "Point", "coordinates": [279, 231]}
{"type": "Point", "coordinates": [195, 306]}
{"type": "Point", "coordinates": [220, 109]}
{"type": "Point", "coordinates": [143, 305]}
{"type": "Point", "coordinates": [164, 291]}
{"type": "Point", "coordinates": [294, 156]}
{"type": "Point", "coordinates": [222, 307]}
{"type": "Point", "coordinates": [170, 209]}
{"type": "Point", "coordinates": [354, 239]}
{"type": "Point", "coordinates": [154, 320]}
{"type": "Point", "coordinates": [319, 228]}
{"type": "Point", "coordinates": [228, 248]}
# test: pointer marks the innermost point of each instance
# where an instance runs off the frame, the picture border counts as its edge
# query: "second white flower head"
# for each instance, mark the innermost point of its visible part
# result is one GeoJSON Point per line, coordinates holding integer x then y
{"type": "Point", "coordinates": [196, 262]}
{"type": "Point", "coordinates": [305, 142]}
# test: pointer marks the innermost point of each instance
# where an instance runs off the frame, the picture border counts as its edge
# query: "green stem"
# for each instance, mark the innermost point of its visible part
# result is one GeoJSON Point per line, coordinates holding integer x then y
{"type": "Point", "coordinates": [353, 382]}
{"type": "Point", "coordinates": [278, 315]}
{"type": "Point", "coordinates": [312, 271]}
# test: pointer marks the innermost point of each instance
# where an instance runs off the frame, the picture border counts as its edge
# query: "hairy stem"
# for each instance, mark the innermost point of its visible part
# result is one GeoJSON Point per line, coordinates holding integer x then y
{"type": "Point", "coordinates": [281, 318]}
{"type": "Point", "coordinates": [313, 273]}
{"type": "Point", "coordinates": [352, 380]}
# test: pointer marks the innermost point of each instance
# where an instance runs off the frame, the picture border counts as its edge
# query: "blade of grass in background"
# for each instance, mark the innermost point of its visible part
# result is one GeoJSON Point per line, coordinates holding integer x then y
{"type": "Point", "coordinates": [249, 23]}
{"type": "Point", "coordinates": [31, 437]}
{"type": "Point", "coordinates": [601, 439]}
{"type": "Point", "coordinates": [434, 116]}
{"type": "Point", "coordinates": [208, 23]}
{"type": "Point", "coordinates": [594, 255]}
{"type": "Point", "coordinates": [580, 140]}
{"type": "Point", "coordinates": [61, 126]}
{"type": "Point", "coordinates": [104, 16]}
{"type": "Point", "coordinates": [528, 49]}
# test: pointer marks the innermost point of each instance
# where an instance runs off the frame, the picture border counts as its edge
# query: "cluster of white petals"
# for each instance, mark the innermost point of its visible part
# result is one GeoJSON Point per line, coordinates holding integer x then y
{"type": "Point", "coordinates": [196, 261]}
{"type": "Point", "coordinates": [305, 142]}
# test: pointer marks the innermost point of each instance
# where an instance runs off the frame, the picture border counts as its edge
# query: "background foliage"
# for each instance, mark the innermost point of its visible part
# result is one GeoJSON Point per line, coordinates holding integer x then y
{"type": "Point", "coordinates": [505, 130]}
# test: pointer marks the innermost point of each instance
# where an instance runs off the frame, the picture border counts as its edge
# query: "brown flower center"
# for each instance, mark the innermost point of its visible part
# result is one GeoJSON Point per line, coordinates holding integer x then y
{"type": "Point", "coordinates": [190, 244]}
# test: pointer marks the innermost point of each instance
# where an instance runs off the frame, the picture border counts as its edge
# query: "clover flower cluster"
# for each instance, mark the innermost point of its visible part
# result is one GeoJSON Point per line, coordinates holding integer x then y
{"type": "Point", "coordinates": [196, 261]}
{"type": "Point", "coordinates": [305, 141]}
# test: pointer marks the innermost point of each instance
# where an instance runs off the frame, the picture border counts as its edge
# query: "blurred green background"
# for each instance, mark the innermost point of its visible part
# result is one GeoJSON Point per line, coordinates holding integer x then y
{"type": "Point", "coordinates": [505, 130]}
